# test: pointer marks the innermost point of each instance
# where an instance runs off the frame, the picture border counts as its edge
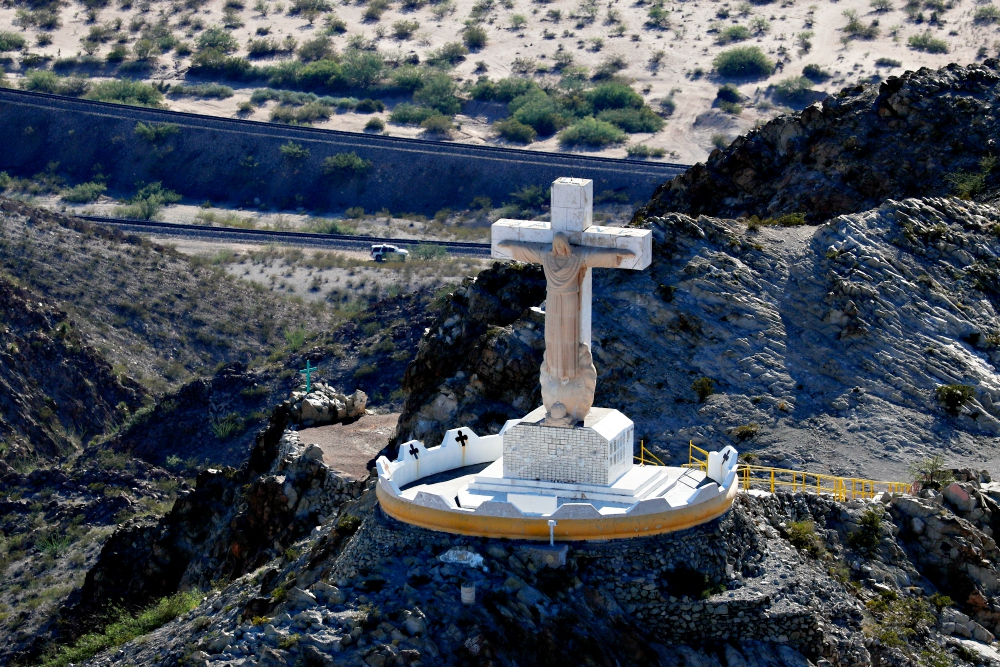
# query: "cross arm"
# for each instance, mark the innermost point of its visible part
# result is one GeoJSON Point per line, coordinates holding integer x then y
{"type": "Point", "coordinates": [638, 241]}
{"type": "Point", "coordinates": [522, 231]}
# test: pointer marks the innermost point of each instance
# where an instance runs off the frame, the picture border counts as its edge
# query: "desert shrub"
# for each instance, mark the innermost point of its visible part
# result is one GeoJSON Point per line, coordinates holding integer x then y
{"type": "Point", "coordinates": [746, 432]}
{"type": "Point", "coordinates": [437, 124]}
{"type": "Point", "coordinates": [438, 92]}
{"type": "Point", "coordinates": [294, 151]}
{"type": "Point", "coordinates": [931, 472]}
{"type": "Point", "coordinates": [668, 106]}
{"type": "Point", "coordinates": [84, 193]}
{"type": "Point", "coordinates": [591, 132]}
{"type": "Point", "coordinates": [369, 105]}
{"type": "Point", "coordinates": [614, 95]}
{"type": "Point", "coordinates": [642, 150]}
{"type": "Point", "coordinates": [967, 184]}
{"type": "Point", "coordinates": [633, 120]}
{"type": "Point", "coordinates": [954, 396]}
{"type": "Point", "coordinates": [408, 78]}
{"type": "Point", "coordinates": [881, 5]}
{"type": "Point", "coordinates": [429, 251]}
{"type": "Point", "coordinates": [410, 114]}
{"type": "Point", "coordinates": [451, 53]}
{"type": "Point", "coordinates": [305, 114]}
{"type": "Point", "coordinates": [856, 29]}
{"type": "Point", "coordinates": [346, 165]}
{"type": "Point", "coordinates": [404, 29]}
{"type": "Point", "coordinates": [228, 426]}
{"type": "Point", "coordinates": [733, 33]}
{"type": "Point", "coordinates": [11, 41]}
{"type": "Point", "coordinates": [927, 42]}
{"type": "Point", "coordinates": [217, 39]}
{"type": "Point", "coordinates": [374, 10]}
{"type": "Point", "coordinates": [888, 62]}
{"type": "Point", "coordinates": [44, 81]}
{"type": "Point", "coordinates": [214, 90]}
{"type": "Point", "coordinates": [720, 141]}
{"type": "Point", "coordinates": [542, 112]}
{"type": "Point", "coordinates": [815, 73]}
{"type": "Point", "coordinates": [147, 202]}
{"type": "Point", "coordinates": [155, 133]}
{"type": "Point", "coordinates": [126, 627]}
{"type": "Point", "coordinates": [318, 48]}
{"type": "Point", "coordinates": [898, 619]}
{"type": "Point", "coordinates": [514, 130]}
{"type": "Point", "coordinates": [531, 196]}
{"type": "Point", "coordinates": [743, 61]}
{"type": "Point", "coordinates": [214, 63]}
{"type": "Point", "coordinates": [375, 125]}
{"type": "Point", "coordinates": [126, 91]}
{"type": "Point", "coordinates": [474, 37]}
{"type": "Point", "coordinates": [802, 536]}
{"type": "Point", "coordinates": [504, 90]}
{"type": "Point", "coordinates": [793, 89]}
{"type": "Point", "coordinates": [869, 532]}
{"type": "Point", "coordinates": [363, 69]}
{"type": "Point", "coordinates": [986, 14]}
{"type": "Point", "coordinates": [728, 93]}
{"type": "Point", "coordinates": [703, 387]}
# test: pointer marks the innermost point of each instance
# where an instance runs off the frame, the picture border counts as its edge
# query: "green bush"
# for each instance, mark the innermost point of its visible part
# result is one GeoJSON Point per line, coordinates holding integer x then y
{"type": "Point", "coordinates": [728, 93]}
{"type": "Point", "coordinates": [668, 106]}
{"type": "Point", "coordinates": [147, 202]}
{"type": "Point", "coordinates": [84, 193]}
{"type": "Point", "coordinates": [410, 114]}
{"type": "Point", "coordinates": [746, 432]}
{"type": "Point", "coordinates": [126, 91]}
{"type": "Point", "coordinates": [514, 130]}
{"type": "Point", "coordinates": [802, 536]}
{"type": "Point", "coordinates": [633, 120]}
{"type": "Point", "coordinates": [438, 92]}
{"type": "Point", "coordinates": [954, 396]}
{"type": "Point", "coordinates": [369, 105]}
{"type": "Point", "coordinates": [733, 33]}
{"type": "Point", "coordinates": [363, 69]}
{"type": "Point", "coordinates": [215, 63]}
{"type": "Point", "coordinates": [293, 151]}
{"type": "Point", "coordinates": [474, 37]}
{"type": "Point", "coordinates": [504, 90]}
{"type": "Point", "coordinates": [155, 133]}
{"type": "Point", "coordinates": [11, 41]}
{"type": "Point", "coordinates": [986, 14]}
{"type": "Point", "coordinates": [217, 39]}
{"type": "Point", "coordinates": [743, 62]}
{"type": "Point", "coordinates": [931, 472]}
{"type": "Point", "coordinates": [815, 73]}
{"type": "Point", "coordinates": [927, 42]}
{"type": "Point", "coordinates": [44, 81]}
{"type": "Point", "coordinates": [591, 132]}
{"type": "Point", "coordinates": [305, 114]}
{"type": "Point", "coordinates": [346, 165]}
{"type": "Point", "coordinates": [206, 90]}
{"type": "Point", "coordinates": [869, 532]}
{"type": "Point", "coordinates": [451, 53]}
{"type": "Point", "coordinates": [404, 29]}
{"type": "Point", "coordinates": [437, 124]}
{"type": "Point", "coordinates": [124, 628]}
{"type": "Point", "coordinates": [429, 251]}
{"type": "Point", "coordinates": [855, 28]}
{"type": "Point", "coordinates": [375, 125]}
{"type": "Point", "coordinates": [703, 387]}
{"type": "Point", "coordinates": [883, 62]}
{"type": "Point", "coordinates": [793, 90]}
{"type": "Point", "coordinates": [539, 110]}
{"type": "Point", "coordinates": [642, 150]}
{"type": "Point", "coordinates": [614, 95]}
{"type": "Point", "coordinates": [408, 78]}
{"type": "Point", "coordinates": [318, 48]}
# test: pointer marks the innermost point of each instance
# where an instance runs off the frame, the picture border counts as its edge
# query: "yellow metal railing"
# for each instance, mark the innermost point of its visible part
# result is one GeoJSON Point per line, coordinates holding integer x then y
{"type": "Point", "coordinates": [646, 457]}
{"type": "Point", "coordinates": [773, 479]}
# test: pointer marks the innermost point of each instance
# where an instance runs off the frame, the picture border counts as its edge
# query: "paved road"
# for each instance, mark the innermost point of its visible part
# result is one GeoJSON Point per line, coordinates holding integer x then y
{"type": "Point", "coordinates": [236, 235]}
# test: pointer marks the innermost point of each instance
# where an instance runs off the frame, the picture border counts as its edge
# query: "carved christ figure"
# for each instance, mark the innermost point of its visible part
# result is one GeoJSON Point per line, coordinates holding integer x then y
{"type": "Point", "coordinates": [565, 267]}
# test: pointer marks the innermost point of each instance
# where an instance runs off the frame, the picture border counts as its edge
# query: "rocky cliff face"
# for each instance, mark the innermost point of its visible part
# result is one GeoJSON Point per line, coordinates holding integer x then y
{"type": "Point", "coordinates": [56, 391]}
{"type": "Point", "coordinates": [825, 345]}
{"type": "Point", "coordinates": [901, 138]}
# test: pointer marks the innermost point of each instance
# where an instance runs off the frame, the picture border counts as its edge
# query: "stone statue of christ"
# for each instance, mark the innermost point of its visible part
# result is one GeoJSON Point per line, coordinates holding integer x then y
{"type": "Point", "coordinates": [565, 267]}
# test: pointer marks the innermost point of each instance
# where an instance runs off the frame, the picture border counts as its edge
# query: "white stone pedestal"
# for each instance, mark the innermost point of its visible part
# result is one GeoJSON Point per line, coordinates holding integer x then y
{"type": "Point", "coordinates": [598, 451]}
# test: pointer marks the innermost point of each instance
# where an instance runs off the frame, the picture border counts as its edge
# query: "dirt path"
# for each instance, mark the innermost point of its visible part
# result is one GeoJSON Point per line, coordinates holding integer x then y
{"type": "Point", "coordinates": [347, 448]}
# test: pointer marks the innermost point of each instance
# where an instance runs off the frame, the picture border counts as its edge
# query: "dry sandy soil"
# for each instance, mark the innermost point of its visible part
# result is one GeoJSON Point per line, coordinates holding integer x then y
{"type": "Point", "coordinates": [673, 62]}
{"type": "Point", "coordinates": [347, 448]}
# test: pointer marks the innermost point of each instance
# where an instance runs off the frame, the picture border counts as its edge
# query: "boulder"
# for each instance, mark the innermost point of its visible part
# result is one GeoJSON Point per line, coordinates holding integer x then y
{"type": "Point", "coordinates": [331, 595]}
{"type": "Point", "coordinates": [959, 496]}
{"type": "Point", "coordinates": [301, 598]}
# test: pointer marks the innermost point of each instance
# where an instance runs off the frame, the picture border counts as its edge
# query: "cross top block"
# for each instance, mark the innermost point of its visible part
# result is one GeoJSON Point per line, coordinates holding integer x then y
{"type": "Point", "coordinates": [572, 212]}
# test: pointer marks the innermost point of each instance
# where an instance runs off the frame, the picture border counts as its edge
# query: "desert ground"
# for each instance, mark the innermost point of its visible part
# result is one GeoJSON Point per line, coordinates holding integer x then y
{"type": "Point", "coordinates": [665, 50]}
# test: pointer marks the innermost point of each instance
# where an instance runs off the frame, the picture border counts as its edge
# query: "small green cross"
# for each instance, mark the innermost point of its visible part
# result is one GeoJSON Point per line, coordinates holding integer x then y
{"type": "Point", "coordinates": [308, 371]}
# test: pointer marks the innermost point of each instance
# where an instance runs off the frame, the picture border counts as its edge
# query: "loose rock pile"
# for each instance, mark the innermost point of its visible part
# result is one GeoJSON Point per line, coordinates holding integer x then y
{"type": "Point", "coordinates": [326, 405]}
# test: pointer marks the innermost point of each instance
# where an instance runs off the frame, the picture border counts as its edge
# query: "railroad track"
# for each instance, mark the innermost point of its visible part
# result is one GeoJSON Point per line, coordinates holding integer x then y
{"type": "Point", "coordinates": [265, 236]}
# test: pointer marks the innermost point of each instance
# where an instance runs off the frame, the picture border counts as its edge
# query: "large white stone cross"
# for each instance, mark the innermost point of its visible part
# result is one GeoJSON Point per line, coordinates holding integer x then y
{"type": "Point", "coordinates": [573, 214]}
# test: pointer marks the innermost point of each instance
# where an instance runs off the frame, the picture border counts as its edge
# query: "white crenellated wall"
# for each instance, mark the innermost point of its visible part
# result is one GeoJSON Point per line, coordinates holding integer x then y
{"type": "Point", "coordinates": [450, 454]}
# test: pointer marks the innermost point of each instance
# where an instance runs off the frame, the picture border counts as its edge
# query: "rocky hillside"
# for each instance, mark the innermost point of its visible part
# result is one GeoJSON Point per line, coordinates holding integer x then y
{"type": "Point", "coordinates": [305, 569]}
{"type": "Point", "coordinates": [56, 391]}
{"type": "Point", "coordinates": [855, 347]}
{"type": "Point", "coordinates": [153, 313]}
{"type": "Point", "coordinates": [922, 134]}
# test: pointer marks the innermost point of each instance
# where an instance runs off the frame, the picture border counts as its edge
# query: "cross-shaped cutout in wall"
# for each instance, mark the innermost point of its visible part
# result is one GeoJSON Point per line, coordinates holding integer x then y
{"type": "Point", "coordinates": [725, 456]}
{"type": "Point", "coordinates": [414, 451]}
{"type": "Point", "coordinates": [462, 438]}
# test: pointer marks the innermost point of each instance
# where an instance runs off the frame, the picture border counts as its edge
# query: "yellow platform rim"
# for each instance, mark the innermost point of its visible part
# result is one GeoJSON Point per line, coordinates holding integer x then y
{"type": "Point", "coordinates": [567, 530]}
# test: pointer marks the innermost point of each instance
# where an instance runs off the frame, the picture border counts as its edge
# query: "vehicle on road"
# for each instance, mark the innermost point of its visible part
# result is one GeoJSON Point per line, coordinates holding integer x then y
{"type": "Point", "coordinates": [383, 252]}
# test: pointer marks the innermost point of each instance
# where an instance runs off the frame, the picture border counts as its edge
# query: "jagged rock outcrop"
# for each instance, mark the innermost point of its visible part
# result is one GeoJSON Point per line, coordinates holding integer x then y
{"type": "Point", "coordinates": [56, 391]}
{"type": "Point", "coordinates": [325, 405]}
{"type": "Point", "coordinates": [828, 343]}
{"type": "Point", "coordinates": [898, 139]}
